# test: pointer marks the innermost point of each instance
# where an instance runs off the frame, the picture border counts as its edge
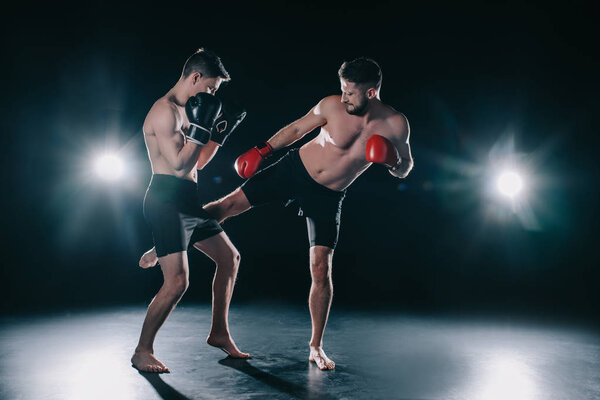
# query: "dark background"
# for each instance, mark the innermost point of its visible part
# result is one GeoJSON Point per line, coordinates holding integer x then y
{"type": "Point", "coordinates": [474, 81]}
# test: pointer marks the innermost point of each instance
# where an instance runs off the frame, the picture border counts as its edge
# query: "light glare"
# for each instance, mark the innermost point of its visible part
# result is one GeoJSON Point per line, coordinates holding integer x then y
{"type": "Point", "coordinates": [109, 167]}
{"type": "Point", "coordinates": [509, 183]}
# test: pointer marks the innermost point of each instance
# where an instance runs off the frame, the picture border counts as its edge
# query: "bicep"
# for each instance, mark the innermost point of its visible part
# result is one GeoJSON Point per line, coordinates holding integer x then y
{"type": "Point", "coordinates": [313, 119]}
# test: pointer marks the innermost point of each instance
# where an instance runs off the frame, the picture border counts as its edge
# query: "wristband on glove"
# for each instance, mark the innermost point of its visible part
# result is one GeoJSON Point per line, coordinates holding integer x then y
{"type": "Point", "coordinates": [264, 150]}
{"type": "Point", "coordinates": [197, 134]}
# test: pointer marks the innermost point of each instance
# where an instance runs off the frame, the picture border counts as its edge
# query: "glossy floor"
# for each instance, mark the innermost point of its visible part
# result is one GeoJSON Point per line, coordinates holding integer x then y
{"type": "Point", "coordinates": [85, 355]}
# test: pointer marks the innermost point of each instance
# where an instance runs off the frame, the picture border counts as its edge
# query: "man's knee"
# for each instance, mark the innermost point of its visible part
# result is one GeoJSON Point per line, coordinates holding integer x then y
{"type": "Point", "coordinates": [222, 208]}
{"type": "Point", "coordinates": [235, 201]}
{"type": "Point", "coordinates": [231, 259]}
{"type": "Point", "coordinates": [321, 259]}
{"type": "Point", "coordinates": [177, 285]}
{"type": "Point", "coordinates": [235, 258]}
{"type": "Point", "coordinates": [320, 271]}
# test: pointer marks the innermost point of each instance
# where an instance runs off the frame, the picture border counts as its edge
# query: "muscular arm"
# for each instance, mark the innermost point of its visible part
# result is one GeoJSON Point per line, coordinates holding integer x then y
{"type": "Point", "coordinates": [401, 141]}
{"type": "Point", "coordinates": [206, 154]}
{"type": "Point", "coordinates": [180, 155]}
{"type": "Point", "coordinates": [298, 129]}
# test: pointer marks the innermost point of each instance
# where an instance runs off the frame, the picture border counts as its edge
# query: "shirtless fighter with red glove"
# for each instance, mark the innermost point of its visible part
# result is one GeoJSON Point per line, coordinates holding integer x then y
{"type": "Point", "coordinates": [357, 129]}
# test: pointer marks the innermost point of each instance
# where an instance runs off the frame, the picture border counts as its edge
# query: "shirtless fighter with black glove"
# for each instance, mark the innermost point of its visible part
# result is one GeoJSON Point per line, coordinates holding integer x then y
{"type": "Point", "coordinates": [181, 137]}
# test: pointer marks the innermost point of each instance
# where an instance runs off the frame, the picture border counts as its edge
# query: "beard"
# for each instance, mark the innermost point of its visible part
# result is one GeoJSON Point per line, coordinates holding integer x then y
{"type": "Point", "coordinates": [357, 109]}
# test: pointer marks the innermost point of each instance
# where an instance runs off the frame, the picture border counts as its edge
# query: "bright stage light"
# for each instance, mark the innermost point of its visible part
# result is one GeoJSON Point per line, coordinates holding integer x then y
{"type": "Point", "coordinates": [509, 183]}
{"type": "Point", "coordinates": [109, 167]}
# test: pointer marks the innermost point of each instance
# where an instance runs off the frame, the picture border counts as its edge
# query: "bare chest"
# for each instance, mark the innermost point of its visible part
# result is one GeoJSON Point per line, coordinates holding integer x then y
{"type": "Point", "coordinates": [349, 136]}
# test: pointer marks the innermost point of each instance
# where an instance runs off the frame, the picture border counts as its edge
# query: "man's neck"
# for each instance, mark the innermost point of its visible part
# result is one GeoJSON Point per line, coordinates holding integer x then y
{"type": "Point", "coordinates": [372, 111]}
{"type": "Point", "coordinates": [178, 93]}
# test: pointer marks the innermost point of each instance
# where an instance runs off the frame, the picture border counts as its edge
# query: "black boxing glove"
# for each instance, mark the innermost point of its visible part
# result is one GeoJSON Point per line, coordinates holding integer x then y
{"type": "Point", "coordinates": [229, 118]}
{"type": "Point", "coordinates": [202, 111]}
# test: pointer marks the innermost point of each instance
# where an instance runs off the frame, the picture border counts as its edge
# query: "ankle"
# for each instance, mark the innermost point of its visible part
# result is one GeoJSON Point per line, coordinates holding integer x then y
{"type": "Point", "coordinates": [219, 330]}
{"type": "Point", "coordinates": [219, 334]}
{"type": "Point", "coordinates": [142, 349]}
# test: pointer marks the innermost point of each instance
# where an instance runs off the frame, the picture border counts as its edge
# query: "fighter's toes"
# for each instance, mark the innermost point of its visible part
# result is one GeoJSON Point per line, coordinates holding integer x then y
{"type": "Point", "coordinates": [318, 361]}
{"type": "Point", "coordinates": [226, 344]}
{"type": "Point", "coordinates": [329, 364]}
{"type": "Point", "coordinates": [321, 364]}
{"type": "Point", "coordinates": [318, 356]}
{"type": "Point", "coordinates": [146, 362]}
{"type": "Point", "coordinates": [238, 354]}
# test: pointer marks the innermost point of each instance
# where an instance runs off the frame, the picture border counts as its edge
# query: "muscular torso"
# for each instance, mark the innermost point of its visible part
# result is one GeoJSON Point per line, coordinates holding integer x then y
{"type": "Point", "coordinates": [159, 163]}
{"type": "Point", "coordinates": [336, 157]}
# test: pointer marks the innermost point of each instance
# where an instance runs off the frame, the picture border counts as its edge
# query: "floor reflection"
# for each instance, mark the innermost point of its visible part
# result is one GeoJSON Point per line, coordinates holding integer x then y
{"type": "Point", "coordinates": [505, 376]}
{"type": "Point", "coordinates": [86, 356]}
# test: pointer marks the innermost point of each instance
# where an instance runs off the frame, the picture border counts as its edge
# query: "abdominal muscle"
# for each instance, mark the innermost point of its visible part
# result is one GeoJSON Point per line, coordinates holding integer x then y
{"type": "Point", "coordinates": [332, 166]}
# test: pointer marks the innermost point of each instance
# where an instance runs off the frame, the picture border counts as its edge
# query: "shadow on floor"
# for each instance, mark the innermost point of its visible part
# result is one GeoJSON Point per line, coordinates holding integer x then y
{"type": "Point", "coordinates": [293, 389]}
{"type": "Point", "coordinates": [164, 390]}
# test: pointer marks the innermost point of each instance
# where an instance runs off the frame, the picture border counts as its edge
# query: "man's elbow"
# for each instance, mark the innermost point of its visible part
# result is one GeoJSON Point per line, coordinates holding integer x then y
{"type": "Point", "coordinates": [404, 169]}
{"type": "Point", "coordinates": [201, 164]}
{"type": "Point", "coordinates": [294, 132]}
{"type": "Point", "coordinates": [180, 173]}
{"type": "Point", "coordinates": [411, 164]}
{"type": "Point", "coordinates": [177, 164]}
{"type": "Point", "coordinates": [180, 170]}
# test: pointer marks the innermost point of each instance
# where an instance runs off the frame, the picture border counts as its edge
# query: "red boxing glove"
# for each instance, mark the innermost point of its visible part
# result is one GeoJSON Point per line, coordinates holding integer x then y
{"type": "Point", "coordinates": [380, 150]}
{"type": "Point", "coordinates": [247, 164]}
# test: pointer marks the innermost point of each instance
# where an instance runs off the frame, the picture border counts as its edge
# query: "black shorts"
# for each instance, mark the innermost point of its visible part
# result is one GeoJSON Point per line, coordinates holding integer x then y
{"type": "Point", "coordinates": [174, 211]}
{"type": "Point", "coordinates": [287, 181]}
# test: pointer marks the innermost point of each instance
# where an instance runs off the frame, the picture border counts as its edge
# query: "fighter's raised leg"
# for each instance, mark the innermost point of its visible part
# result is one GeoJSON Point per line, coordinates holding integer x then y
{"type": "Point", "coordinates": [233, 204]}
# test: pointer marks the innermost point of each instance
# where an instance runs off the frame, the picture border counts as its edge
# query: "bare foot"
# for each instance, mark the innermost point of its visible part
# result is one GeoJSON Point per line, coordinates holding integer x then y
{"type": "Point", "coordinates": [225, 343]}
{"type": "Point", "coordinates": [146, 362]}
{"type": "Point", "coordinates": [149, 259]}
{"type": "Point", "coordinates": [318, 356]}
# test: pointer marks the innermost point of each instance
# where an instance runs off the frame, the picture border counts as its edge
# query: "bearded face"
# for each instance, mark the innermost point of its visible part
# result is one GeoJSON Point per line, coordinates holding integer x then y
{"type": "Point", "coordinates": [358, 107]}
{"type": "Point", "coordinates": [354, 97]}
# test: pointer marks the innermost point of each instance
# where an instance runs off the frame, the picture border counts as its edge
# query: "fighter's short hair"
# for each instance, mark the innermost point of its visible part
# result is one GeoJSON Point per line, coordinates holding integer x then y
{"type": "Point", "coordinates": [207, 63]}
{"type": "Point", "coordinates": [361, 70]}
